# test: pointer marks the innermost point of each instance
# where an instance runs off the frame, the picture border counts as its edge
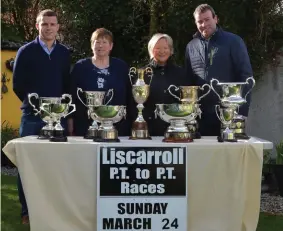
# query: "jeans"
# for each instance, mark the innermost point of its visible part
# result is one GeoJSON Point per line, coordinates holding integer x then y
{"type": "Point", "coordinates": [30, 125]}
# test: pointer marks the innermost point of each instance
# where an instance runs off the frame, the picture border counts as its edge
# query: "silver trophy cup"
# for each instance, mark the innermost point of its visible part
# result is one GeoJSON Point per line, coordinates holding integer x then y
{"type": "Point", "coordinates": [189, 94]}
{"type": "Point", "coordinates": [47, 131]}
{"type": "Point", "coordinates": [140, 91]}
{"type": "Point", "coordinates": [232, 93]}
{"type": "Point", "coordinates": [226, 116]}
{"type": "Point", "coordinates": [178, 115]}
{"type": "Point", "coordinates": [231, 96]}
{"type": "Point", "coordinates": [107, 115]}
{"type": "Point", "coordinates": [56, 108]}
{"type": "Point", "coordinates": [94, 98]}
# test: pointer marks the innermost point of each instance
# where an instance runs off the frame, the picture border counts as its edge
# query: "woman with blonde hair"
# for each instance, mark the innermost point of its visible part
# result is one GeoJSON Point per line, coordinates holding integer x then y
{"type": "Point", "coordinates": [165, 73]}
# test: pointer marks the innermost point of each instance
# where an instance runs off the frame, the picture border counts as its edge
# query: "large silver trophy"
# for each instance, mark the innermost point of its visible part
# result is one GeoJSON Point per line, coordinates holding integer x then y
{"type": "Point", "coordinates": [178, 115]}
{"type": "Point", "coordinates": [107, 115]}
{"type": "Point", "coordinates": [51, 110]}
{"type": "Point", "coordinates": [140, 91]}
{"type": "Point", "coordinates": [94, 98]}
{"type": "Point", "coordinates": [190, 94]}
{"type": "Point", "coordinates": [231, 98]}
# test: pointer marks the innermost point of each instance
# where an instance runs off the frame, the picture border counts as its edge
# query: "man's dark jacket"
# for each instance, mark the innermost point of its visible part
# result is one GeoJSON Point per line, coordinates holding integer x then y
{"type": "Point", "coordinates": [224, 57]}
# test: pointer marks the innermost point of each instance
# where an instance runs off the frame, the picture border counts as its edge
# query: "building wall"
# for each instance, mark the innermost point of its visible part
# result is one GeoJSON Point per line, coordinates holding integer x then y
{"type": "Point", "coordinates": [266, 111]}
{"type": "Point", "coordinates": [10, 104]}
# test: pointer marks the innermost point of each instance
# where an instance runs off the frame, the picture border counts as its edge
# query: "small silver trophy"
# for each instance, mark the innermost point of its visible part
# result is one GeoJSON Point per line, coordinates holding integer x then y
{"type": "Point", "coordinates": [55, 109]}
{"type": "Point", "coordinates": [47, 131]}
{"type": "Point", "coordinates": [226, 116]}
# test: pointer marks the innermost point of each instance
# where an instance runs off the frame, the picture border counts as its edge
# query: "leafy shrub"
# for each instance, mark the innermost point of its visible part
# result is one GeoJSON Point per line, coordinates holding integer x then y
{"type": "Point", "coordinates": [7, 133]}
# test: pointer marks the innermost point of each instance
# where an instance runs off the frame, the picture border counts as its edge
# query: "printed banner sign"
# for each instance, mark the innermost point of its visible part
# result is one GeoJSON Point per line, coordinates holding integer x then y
{"type": "Point", "coordinates": [142, 188]}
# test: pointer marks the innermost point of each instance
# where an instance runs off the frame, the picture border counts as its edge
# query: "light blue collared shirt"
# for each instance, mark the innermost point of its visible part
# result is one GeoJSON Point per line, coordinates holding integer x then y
{"type": "Point", "coordinates": [45, 48]}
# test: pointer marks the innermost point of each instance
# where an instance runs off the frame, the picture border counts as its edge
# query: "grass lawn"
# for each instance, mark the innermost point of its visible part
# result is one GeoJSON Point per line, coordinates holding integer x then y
{"type": "Point", "coordinates": [10, 210]}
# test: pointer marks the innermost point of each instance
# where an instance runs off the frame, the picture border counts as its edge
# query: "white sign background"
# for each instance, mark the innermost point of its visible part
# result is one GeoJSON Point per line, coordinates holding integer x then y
{"type": "Point", "coordinates": [176, 211]}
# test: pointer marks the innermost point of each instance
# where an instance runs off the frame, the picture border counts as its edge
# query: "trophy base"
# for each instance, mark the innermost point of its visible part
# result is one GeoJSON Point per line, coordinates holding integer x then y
{"type": "Point", "coordinates": [140, 138]}
{"type": "Point", "coordinates": [241, 136]}
{"type": "Point", "coordinates": [109, 134]}
{"type": "Point", "coordinates": [58, 136]}
{"type": "Point", "coordinates": [45, 134]}
{"type": "Point", "coordinates": [91, 133]}
{"type": "Point", "coordinates": [40, 137]}
{"type": "Point", "coordinates": [140, 131]}
{"type": "Point", "coordinates": [58, 139]}
{"type": "Point", "coordinates": [193, 128]}
{"type": "Point", "coordinates": [106, 140]}
{"type": "Point", "coordinates": [178, 137]}
{"type": "Point", "coordinates": [221, 140]}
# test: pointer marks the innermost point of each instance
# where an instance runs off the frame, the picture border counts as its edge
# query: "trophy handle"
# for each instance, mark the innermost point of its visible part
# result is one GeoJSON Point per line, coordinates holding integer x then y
{"type": "Point", "coordinates": [149, 73]}
{"type": "Point", "coordinates": [216, 110]}
{"type": "Point", "coordinates": [80, 90]}
{"type": "Point", "coordinates": [212, 88]}
{"type": "Point", "coordinates": [67, 96]}
{"type": "Point", "coordinates": [156, 113]}
{"type": "Point", "coordinates": [253, 84]}
{"type": "Point", "coordinates": [108, 93]}
{"type": "Point", "coordinates": [125, 113]}
{"type": "Point", "coordinates": [202, 88]}
{"type": "Point", "coordinates": [199, 112]}
{"type": "Point", "coordinates": [132, 71]}
{"type": "Point", "coordinates": [176, 89]}
{"type": "Point", "coordinates": [73, 110]}
{"type": "Point", "coordinates": [34, 108]}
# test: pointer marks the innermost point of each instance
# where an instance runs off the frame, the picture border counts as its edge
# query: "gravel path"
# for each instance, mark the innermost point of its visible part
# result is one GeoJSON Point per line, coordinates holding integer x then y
{"type": "Point", "coordinates": [269, 203]}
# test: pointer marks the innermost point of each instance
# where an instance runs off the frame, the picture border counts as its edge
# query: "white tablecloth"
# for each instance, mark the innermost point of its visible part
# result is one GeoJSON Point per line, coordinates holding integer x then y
{"type": "Point", "coordinates": [59, 180]}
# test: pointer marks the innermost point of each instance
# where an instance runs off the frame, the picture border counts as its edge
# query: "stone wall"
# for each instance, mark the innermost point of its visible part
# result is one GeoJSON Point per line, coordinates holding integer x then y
{"type": "Point", "coordinates": [266, 111]}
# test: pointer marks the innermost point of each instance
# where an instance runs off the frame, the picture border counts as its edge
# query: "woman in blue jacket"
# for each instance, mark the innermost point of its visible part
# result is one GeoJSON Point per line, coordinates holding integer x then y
{"type": "Point", "coordinates": [100, 72]}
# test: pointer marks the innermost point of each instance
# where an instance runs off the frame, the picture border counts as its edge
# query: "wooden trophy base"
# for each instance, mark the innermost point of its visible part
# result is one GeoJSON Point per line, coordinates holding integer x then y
{"type": "Point", "coordinates": [58, 136]}
{"type": "Point", "coordinates": [140, 131]}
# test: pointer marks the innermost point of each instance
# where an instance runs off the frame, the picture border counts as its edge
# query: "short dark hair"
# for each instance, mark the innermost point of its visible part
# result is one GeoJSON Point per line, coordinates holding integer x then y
{"type": "Point", "coordinates": [203, 8]}
{"type": "Point", "coordinates": [47, 12]}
